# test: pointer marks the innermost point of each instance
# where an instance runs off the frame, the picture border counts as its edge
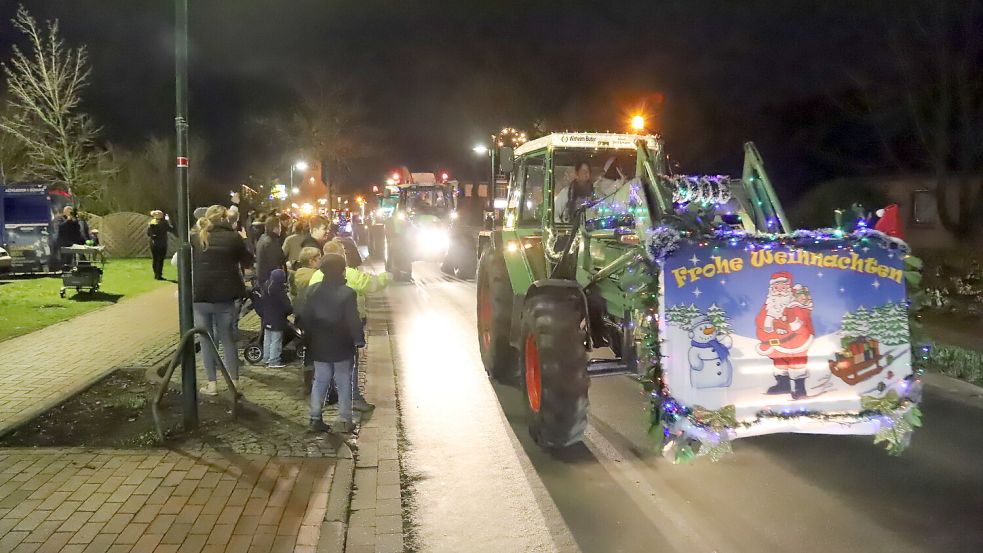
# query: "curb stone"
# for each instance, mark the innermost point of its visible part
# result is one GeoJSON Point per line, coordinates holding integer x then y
{"type": "Point", "coordinates": [334, 529]}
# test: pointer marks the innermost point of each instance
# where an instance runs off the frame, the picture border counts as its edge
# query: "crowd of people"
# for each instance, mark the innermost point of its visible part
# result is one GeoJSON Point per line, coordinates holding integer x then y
{"type": "Point", "coordinates": [305, 275]}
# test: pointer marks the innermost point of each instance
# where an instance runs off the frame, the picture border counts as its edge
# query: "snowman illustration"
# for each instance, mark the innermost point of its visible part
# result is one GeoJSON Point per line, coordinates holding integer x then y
{"type": "Point", "coordinates": [709, 356]}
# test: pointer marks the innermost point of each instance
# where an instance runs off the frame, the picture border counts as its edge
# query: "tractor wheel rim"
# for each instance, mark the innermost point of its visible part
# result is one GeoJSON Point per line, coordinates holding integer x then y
{"type": "Point", "coordinates": [534, 387]}
{"type": "Point", "coordinates": [485, 317]}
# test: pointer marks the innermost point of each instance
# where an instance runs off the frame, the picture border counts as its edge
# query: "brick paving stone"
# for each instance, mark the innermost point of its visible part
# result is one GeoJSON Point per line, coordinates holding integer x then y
{"type": "Point", "coordinates": [147, 543]}
{"type": "Point", "coordinates": [117, 523]}
{"type": "Point", "coordinates": [389, 543]}
{"type": "Point", "coordinates": [100, 544]}
{"type": "Point", "coordinates": [74, 522]}
{"type": "Point", "coordinates": [131, 533]}
{"type": "Point", "coordinates": [55, 543]}
{"type": "Point", "coordinates": [43, 531]}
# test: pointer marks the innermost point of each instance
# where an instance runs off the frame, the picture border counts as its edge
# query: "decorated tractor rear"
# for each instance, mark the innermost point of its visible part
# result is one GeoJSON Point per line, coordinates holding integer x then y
{"type": "Point", "coordinates": [737, 325]}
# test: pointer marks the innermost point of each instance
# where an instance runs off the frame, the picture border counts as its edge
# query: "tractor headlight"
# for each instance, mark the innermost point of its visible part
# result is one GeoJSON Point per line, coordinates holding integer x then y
{"type": "Point", "coordinates": [433, 240]}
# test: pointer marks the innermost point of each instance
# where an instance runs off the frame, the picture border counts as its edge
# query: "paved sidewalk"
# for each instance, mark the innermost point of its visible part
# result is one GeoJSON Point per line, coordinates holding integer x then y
{"type": "Point", "coordinates": [41, 369]}
{"type": "Point", "coordinates": [98, 501]}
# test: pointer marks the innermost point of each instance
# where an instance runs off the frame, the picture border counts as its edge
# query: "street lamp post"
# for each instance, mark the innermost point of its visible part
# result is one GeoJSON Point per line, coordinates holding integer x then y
{"type": "Point", "coordinates": [189, 391]}
{"type": "Point", "coordinates": [481, 150]}
{"type": "Point", "coordinates": [299, 166]}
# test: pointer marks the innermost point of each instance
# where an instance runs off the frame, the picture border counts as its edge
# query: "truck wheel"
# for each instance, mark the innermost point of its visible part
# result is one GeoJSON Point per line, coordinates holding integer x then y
{"type": "Point", "coordinates": [554, 371]}
{"type": "Point", "coordinates": [495, 318]}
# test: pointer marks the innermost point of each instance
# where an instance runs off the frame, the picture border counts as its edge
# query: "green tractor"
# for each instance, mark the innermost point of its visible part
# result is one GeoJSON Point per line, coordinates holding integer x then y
{"type": "Point", "coordinates": [605, 262]}
{"type": "Point", "coordinates": [424, 227]}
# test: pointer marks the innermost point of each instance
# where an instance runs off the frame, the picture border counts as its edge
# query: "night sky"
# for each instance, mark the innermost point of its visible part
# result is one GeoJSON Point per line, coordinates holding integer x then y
{"type": "Point", "coordinates": [436, 77]}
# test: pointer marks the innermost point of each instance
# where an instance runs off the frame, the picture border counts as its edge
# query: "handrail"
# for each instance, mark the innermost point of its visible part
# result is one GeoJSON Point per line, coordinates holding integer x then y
{"type": "Point", "coordinates": [188, 341]}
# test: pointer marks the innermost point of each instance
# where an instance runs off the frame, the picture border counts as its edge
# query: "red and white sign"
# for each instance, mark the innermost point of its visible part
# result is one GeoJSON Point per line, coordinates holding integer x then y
{"type": "Point", "coordinates": [182, 162]}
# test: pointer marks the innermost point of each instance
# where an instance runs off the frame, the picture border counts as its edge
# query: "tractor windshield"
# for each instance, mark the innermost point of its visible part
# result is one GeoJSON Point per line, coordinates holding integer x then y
{"type": "Point", "coordinates": [597, 177]}
{"type": "Point", "coordinates": [427, 200]}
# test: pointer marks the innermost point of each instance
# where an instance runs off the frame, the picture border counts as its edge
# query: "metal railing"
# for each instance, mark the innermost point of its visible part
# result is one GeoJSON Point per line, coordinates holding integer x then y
{"type": "Point", "coordinates": [188, 340]}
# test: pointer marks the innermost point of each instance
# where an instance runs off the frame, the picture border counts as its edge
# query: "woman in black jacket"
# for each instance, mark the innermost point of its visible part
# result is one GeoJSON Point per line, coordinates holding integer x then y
{"type": "Point", "coordinates": [218, 255]}
{"type": "Point", "coordinates": [329, 315]}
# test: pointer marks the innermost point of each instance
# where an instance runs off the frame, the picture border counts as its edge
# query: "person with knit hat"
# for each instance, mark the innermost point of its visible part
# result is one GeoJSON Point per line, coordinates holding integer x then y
{"type": "Point", "coordinates": [784, 328]}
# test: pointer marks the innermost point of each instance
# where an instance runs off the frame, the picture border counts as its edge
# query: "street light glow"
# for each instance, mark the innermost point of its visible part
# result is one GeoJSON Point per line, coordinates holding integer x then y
{"type": "Point", "coordinates": [480, 149]}
{"type": "Point", "coordinates": [301, 165]}
{"type": "Point", "coordinates": [295, 190]}
{"type": "Point", "coordinates": [638, 123]}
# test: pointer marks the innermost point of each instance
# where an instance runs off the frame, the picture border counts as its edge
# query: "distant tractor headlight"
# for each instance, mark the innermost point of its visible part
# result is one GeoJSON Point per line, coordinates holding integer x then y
{"type": "Point", "coordinates": [433, 240]}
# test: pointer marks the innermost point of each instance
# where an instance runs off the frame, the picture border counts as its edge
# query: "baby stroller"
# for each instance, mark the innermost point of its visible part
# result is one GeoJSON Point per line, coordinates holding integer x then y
{"type": "Point", "coordinates": [253, 350]}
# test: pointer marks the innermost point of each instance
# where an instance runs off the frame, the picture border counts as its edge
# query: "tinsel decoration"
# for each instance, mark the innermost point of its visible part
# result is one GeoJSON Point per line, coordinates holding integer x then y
{"type": "Point", "coordinates": [704, 189]}
{"type": "Point", "coordinates": [661, 242]}
{"type": "Point", "coordinates": [899, 418]}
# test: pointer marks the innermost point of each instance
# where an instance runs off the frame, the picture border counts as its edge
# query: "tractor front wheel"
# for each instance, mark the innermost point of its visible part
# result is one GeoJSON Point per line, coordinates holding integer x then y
{"type": "Point", "coordinates": [495, 317]}
{"type": "Point", "coordinates": [554, 370]}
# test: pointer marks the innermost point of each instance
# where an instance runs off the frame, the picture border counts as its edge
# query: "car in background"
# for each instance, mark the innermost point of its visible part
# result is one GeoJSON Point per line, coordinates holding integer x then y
{"type": "Point", "coordinates": [5, 261]}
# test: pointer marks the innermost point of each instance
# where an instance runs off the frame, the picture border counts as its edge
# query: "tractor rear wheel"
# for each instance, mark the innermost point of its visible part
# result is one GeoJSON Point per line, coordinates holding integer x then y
{"type": "Point", "coordinates": [495, 317]}
{"type": "Point", "coordinates": [554, 370]}
{"type": "Point", "coordinates": [395, 263]}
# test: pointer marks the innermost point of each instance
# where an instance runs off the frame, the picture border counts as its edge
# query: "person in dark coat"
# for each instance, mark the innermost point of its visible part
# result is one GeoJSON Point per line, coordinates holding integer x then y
{"type": "Point", "coordinates": [69, 234]}
{"type": "Point", "coordinates": [274, 308]}
{"type": "Point", "coordinates": [157, 232]}
{"type": "Point", "coordinates": [269, 253]}
{"type": "Point", "coordinates": [218, 255]}
{"type": "Point", "coordinates": [329, 315]}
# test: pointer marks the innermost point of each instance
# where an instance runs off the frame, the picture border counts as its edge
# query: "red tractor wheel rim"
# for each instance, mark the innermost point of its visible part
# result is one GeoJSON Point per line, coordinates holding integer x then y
{"type": "Point", "coordinates": [485, 317]}
{"type": "Point", "coordinates": [534, 387]}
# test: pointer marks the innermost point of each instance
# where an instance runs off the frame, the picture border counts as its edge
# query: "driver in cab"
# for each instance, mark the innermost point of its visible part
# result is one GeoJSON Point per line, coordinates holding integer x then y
{"type": "Point", "coordinates": [607, 193]}
{"type": "Point", "coordinates": [577, 192]}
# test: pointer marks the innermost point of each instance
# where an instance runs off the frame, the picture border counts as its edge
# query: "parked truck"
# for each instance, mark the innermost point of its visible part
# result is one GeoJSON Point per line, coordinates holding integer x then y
{"type": "Point", "coordinates": [696, 285]}
{"type": "Point", "coordinates": [28, 214]}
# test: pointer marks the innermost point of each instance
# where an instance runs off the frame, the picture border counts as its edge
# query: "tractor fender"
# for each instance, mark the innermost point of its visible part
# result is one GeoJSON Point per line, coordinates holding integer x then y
{"type": "Point", "coordinates": [551, 286]}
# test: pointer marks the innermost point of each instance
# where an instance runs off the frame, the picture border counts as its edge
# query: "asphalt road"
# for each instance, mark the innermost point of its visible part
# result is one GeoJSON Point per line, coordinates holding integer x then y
{"type": "Point", "coordinates": [482, 485]}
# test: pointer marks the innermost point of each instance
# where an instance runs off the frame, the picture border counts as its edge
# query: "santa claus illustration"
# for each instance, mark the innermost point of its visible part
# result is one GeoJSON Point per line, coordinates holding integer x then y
{"type": "Point", "coordinates": [784, 327]}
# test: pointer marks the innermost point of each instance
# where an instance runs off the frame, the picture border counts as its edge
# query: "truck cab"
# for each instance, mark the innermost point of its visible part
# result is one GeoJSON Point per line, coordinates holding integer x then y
{"type": "Point", "coordinates": [28, 214]}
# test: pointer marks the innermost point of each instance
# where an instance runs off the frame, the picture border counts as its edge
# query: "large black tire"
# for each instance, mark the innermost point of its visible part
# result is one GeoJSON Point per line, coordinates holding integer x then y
{"type": "Point", "coordinates": [554, 379]}
{"type": "Point", "coordinates": [396, 264]}
{"type": "Point", "coordinates": [495, 318]}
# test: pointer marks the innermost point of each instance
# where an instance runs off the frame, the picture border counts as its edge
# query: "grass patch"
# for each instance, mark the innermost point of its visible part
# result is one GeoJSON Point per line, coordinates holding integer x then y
{"type": "Point", "coordinates": [957, 362]}
{"type": "Point", "coordinates": [27, 305]}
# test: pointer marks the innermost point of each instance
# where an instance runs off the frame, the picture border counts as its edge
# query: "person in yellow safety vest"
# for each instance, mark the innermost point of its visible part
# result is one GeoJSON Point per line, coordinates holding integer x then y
{"type": "Point", "coordinates": [362, 283]}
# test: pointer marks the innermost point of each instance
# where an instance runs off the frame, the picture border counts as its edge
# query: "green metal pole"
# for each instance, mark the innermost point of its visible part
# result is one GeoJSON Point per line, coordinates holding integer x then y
{"type": "Point", "coordinates": [189, 389]}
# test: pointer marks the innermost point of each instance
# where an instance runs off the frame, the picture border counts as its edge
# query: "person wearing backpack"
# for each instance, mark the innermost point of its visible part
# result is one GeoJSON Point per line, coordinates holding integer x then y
{"type": "Point", "coordinates": [329, 317]}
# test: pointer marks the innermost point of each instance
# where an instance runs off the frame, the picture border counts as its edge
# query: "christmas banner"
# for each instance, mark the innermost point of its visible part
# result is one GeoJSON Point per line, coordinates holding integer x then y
{"type": "Point", "coordinates": [782, 329]}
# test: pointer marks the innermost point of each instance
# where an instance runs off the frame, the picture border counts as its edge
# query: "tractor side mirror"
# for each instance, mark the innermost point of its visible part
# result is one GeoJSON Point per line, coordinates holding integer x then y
{"type": "Point", "coordinates": [506, 161]}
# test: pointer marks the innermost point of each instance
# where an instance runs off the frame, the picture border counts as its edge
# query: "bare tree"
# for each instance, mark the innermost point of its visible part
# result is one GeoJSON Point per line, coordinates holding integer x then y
{"type": "Point", "coordinates": [45, 82]}
{"type": "Point", "coordinates": [328, 125]}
